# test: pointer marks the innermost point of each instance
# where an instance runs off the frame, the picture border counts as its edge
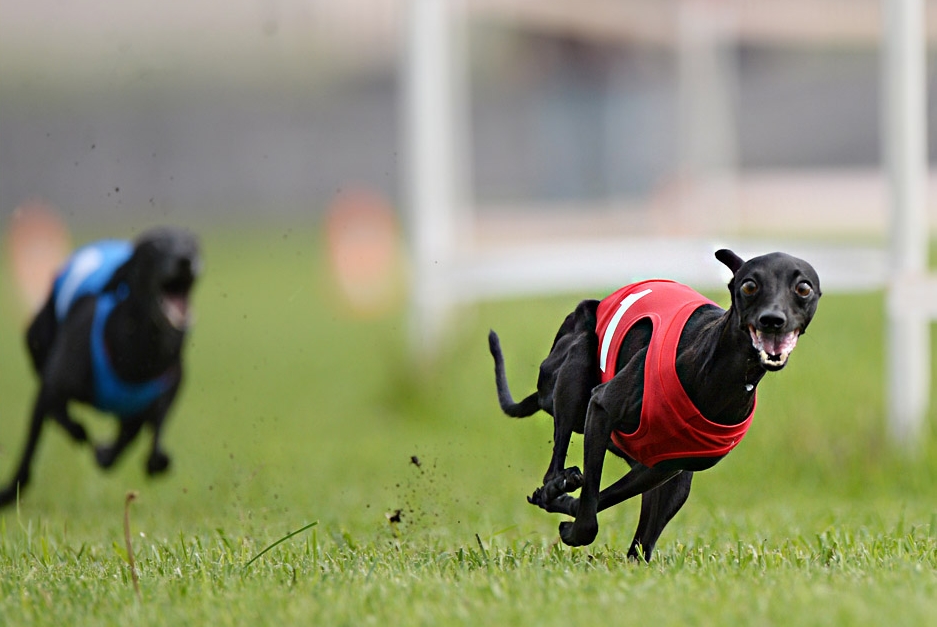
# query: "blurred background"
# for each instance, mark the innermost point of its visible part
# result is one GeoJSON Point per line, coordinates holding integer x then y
{"type": "Point", "coordinates": [414, 158]}
{"type": "Point", "coordinates": [130, 110]}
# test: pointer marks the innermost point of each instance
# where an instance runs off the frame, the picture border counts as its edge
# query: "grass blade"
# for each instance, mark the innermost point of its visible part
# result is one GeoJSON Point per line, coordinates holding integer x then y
{"type": "Point", "coordinates": [280, 541]}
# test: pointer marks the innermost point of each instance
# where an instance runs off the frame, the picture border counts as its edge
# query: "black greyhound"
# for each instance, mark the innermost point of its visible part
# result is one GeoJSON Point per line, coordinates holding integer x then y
{"type": "Point", "coordinates": [664, 378]}
{"type": "Point", "coordinates": [111, 335]}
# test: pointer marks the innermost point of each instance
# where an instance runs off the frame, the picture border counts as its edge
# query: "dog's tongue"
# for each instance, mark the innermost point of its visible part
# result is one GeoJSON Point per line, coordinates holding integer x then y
{"type": "Point", "coordinates": [773, 348]}
{"type": "Point", "coordinates": [176, 310]}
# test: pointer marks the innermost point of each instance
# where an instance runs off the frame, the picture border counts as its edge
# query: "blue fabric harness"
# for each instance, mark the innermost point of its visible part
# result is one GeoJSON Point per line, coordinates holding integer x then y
{"type": "Point", "coordinates": [87, 273]}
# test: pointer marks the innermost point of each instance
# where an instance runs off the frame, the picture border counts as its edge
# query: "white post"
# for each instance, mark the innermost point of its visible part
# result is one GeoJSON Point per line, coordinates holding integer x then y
{"type": "Point", "coordinates": [905, 144]}
{"type": "Point", "coordinates": [707, 75]}
{"type": "Point", "coordinates": [430, 176]}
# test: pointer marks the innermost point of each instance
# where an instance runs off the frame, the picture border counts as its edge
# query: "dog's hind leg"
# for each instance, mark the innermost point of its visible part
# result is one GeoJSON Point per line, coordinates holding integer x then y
{"type": "Point", "coordinates": [575, 379]}
{"type": "Point", "coordinates": [40, 335]}
{"type": "Point", "coordinates": [546, 496]}
{"type": "Point", "coordinates": [571, 404]}
{"type": "Point", "coordinates": [658, 507]}
{"type": "Point", "coordinates": [21, 477]}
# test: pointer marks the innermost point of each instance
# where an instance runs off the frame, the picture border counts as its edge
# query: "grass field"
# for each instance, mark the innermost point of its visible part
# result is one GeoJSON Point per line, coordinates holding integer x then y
{"type": "Point", "coordinates": [296, 413]}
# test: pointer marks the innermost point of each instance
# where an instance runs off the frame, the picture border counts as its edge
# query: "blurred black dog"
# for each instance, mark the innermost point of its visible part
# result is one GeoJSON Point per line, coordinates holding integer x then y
{"type": "Point", "coordinates": [111, 335]}
{"type": "Point", "coordinates": [664, 378]}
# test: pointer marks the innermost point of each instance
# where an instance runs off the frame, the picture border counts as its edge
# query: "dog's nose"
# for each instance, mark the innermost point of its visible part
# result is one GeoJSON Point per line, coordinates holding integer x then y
{"type": "Point", "coordinates": [772, 320]}
{"type": "Point", "coordinates": [184, 266]}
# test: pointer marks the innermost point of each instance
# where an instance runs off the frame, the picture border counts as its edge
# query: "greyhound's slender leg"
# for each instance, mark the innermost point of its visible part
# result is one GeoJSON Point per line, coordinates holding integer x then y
{"type": "Point", "coordinates": [106, 455]}
{"type": "Point", "coordinates": [640, 479]}
{"type": "Point", "coordinates": [158, 460]}
{"type": "Point", "coordinates": [658, 507]}
{"type": "Point", "coordinates": [575, 380]}
{"type": "Point", "coordinates": [598, 429]}
{"type": "Point", "coordinates": [130, 426]}
{"type": "Point", "coordinates": [21, 477]}
{"type": "Point", "coordinates": [75, 430]}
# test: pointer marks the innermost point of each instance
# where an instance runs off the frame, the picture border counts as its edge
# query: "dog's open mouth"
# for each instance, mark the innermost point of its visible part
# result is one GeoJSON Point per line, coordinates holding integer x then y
{"type": "Point", "coordinates": [174, 302]}
{"type": "Point", "coordinates": [773, 348]}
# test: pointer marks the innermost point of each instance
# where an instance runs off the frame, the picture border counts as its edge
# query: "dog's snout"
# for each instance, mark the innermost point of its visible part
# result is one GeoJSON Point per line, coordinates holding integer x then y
{"type": "Point", "coordinates": [187, 267]}
{"type": "Point", "coordinates": [773, 320]}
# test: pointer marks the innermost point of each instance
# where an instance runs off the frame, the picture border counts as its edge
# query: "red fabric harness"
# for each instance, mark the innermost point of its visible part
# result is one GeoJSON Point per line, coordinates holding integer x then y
{"type": "Point", "coordinates": [671, 426]}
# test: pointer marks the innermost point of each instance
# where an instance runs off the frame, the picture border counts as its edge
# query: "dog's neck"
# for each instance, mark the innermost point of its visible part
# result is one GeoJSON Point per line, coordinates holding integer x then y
{"type": "Point", "coordinates": [133, 330]}
{"type": "Point", "coordinates": [719, 368]}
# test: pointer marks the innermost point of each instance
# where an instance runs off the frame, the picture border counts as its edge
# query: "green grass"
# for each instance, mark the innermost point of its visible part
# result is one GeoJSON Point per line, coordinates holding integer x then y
{"type": "Point", "coordinates": [295, 412]}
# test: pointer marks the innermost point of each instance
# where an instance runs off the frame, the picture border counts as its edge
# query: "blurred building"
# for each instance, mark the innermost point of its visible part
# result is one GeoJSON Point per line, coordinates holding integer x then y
{"type": "Point", "coordinates": [251, 107]}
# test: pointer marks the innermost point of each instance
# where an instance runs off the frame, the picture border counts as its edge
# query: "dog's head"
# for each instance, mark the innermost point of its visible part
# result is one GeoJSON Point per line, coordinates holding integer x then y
{"type": "Point", "coordinates": [775, 297]}
{"type": "Point", "coordinates": [161, 273]}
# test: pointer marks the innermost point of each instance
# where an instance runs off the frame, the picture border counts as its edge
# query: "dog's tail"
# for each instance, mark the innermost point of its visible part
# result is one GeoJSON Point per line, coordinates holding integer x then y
{"type": "Point", "coordinates": [526, 407]}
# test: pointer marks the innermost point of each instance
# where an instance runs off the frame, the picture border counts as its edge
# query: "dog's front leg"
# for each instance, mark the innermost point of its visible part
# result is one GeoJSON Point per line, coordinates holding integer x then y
{"type": "Point", "coordinates": [658, 507]}
{"type": "Point", "coordinates": [158, 461]}
{"type": "Point", "coordinates": [155, 415]}
{"type": "Point", "coordinates": [106, 455]}
{"type": "Point", "coordinates": [639, 480]}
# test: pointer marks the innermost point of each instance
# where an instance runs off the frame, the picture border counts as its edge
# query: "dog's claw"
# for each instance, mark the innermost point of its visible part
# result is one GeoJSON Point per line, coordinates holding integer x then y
{"type": "Point", "coordinates": [573, 480]}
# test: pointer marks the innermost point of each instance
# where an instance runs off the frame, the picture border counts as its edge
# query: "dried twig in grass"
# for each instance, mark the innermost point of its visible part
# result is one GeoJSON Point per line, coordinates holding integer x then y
{"type": "Point", "coordinates": [131, 497]}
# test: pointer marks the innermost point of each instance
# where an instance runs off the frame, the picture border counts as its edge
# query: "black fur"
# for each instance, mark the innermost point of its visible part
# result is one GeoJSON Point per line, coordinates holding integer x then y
{"type": "Point", "coordinates": [718, 365]}
{"type": "Point", "coordinates": [142, 340]}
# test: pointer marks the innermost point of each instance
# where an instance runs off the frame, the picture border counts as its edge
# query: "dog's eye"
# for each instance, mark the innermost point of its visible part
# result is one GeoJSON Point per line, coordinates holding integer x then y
{"type": "Point", "coordinates": [804, 289]}
{"type": "Point", "coordinates": [749, 287]}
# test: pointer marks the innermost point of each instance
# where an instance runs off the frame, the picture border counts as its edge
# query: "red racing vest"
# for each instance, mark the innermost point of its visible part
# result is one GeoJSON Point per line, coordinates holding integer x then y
{"type": "Point", "coordinates": [671, 426]}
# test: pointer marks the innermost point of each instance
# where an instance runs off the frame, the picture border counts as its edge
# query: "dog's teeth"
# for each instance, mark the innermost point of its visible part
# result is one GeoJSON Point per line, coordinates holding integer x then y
{"type": "Point", "coordinates": [773, 349]}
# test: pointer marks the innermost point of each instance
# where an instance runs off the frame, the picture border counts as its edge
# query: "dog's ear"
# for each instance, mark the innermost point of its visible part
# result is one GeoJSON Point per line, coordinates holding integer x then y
{"type": "Point", "coordinates": [730, 259]}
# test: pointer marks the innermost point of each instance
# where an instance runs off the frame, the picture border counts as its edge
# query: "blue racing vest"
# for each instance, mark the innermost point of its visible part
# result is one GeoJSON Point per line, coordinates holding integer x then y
{"type": "Point", "coordinates": [87, 273]}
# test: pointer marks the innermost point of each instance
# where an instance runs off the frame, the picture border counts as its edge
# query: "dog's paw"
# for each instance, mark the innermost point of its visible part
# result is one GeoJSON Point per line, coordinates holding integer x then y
{"type": "Point", "coordinates": [569, 481]}
{"type": "Point", "coordinates": [572, 479]}
{"type": "Point", "coordinates": [8, 496]}
{"type": "Point", "coordinates": [158, 463]}
{"type": "Point", "coordinates": [578, 534]}
{"type": "Point", "coordinates": [11, 493]}
{"type": "Point", "coordinates": [104, 455]}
